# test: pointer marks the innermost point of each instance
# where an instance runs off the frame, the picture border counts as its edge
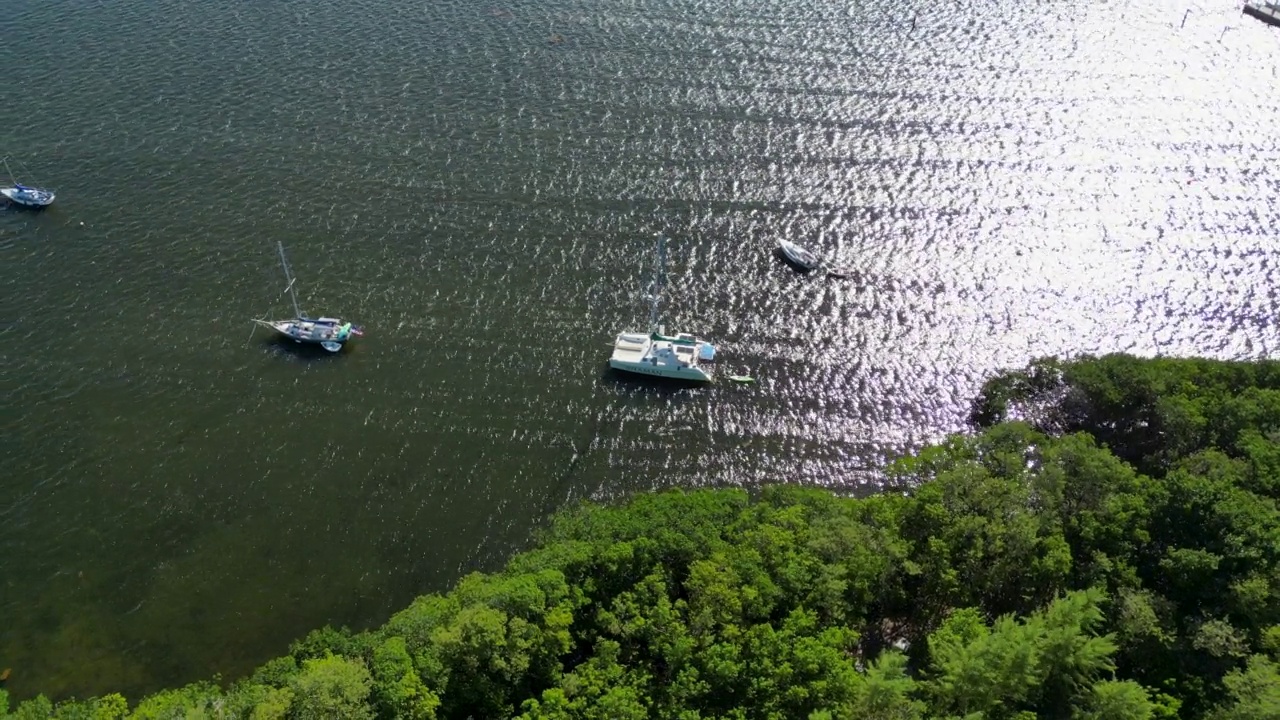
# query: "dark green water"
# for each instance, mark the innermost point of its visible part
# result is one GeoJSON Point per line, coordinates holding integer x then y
{"type": "Point", "coordinates": [479, 186]}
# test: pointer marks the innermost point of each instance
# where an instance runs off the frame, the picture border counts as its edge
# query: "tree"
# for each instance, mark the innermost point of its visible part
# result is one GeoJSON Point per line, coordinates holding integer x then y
{"type": "Point", "coordinates": [1044, 664]}
{"type": "Point", "coordinates": [191, 701]}
{"type": "Point", "coordinates": [1116, 700]}
{"type": "Point", "coordinates": [331, 688]}
{"type": "Point", "coordinates": [397, 685]}
{"type": "Point", "coordinates": [1254, 692]}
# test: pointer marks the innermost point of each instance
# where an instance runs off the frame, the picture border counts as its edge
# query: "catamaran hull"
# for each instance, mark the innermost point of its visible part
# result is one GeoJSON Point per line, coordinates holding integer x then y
{"type": "Point", "coordinates": [659, 356]}
{"type": "Point", "coordinates": [690, 374]}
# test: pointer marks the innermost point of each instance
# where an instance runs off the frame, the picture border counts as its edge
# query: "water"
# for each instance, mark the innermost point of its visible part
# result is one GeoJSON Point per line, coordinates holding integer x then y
{"type": "Point", "coordinates": [479, 186]}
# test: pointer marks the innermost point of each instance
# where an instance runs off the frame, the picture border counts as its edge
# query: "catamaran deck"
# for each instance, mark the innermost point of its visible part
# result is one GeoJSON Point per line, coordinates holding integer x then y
{"type": "Point", "coordinates": [630, 348]}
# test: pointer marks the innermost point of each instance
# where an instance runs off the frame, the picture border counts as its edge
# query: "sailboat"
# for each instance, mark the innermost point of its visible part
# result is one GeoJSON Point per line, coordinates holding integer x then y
{"type": "Point", "coordinates": [678, 357]}
{"type": "Point", "coordinates": [801, 257]}
{"type": "Point", "coordinates": [328, 332]}
{"type": "Point", "coordinates": [26, 195]}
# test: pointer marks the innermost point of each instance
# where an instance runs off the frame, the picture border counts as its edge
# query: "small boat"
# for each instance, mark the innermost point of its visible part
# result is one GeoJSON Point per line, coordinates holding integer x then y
{"type": "Point", "coordinates": [677, 357]}
{"type": "Point", "coordinates": [28, 196]}
{"type": "Point", "coordinates": [798, 256]}
{"type": "Point", "coordinates": [330, 333]}
{"type": "Point", "coordinates": [25, 195]}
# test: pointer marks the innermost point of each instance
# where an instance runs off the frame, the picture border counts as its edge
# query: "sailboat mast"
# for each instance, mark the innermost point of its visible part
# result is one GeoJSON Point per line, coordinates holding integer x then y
{"type": "Point", "coordinates": [658, 264]}
{"type": "Point", "coordinates": [289, 279]}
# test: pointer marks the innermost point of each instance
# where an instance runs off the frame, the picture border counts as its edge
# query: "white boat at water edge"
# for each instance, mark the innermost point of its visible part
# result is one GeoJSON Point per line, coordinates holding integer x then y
{"type": "Point", "coordinates": [677, 357]}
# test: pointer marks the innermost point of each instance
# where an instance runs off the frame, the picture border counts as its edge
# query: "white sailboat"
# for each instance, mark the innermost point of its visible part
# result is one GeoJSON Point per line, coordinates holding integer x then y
{"type": "Point", "coordinates": [801, 257]}
{"type": "Point", "coordinates": [329, 333]}
{"type": "Point", "coordinates": [678, 357]}
{"type": "Point", "coordinates": [25, 195]}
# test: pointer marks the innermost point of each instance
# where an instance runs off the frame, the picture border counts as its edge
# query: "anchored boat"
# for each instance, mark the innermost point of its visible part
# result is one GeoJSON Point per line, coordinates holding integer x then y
{"type": "Point", "coordinates": [26, 195]}
{"type": "Point", "coordinates": [330, 333]}
{"type": "Point", "coordinates": [799, 256]}
{"type": "Point", "coordinates": [677, 357]}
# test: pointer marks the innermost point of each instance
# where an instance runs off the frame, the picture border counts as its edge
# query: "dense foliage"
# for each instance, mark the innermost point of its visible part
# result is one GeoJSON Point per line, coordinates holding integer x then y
{"type": "Point", "coordinates": [1115, 554]}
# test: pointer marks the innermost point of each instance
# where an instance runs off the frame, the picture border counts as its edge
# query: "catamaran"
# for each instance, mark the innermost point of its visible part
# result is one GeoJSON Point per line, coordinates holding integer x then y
{"type": "Point", "coordinates": [678, 357]}
{"type": "Point", "coordinates": [25, 195]}
{"type": "Point", "coordinates": [329, 333]}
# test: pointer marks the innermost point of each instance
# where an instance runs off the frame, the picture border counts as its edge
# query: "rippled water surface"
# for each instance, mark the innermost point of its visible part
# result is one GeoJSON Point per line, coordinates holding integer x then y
{"type": "Point", "coordinates": [479, 185]}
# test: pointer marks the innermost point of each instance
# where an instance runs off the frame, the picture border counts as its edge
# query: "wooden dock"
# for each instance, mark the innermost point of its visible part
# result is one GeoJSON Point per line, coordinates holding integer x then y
{"type": "Point", "coordinates": [1267, 12]}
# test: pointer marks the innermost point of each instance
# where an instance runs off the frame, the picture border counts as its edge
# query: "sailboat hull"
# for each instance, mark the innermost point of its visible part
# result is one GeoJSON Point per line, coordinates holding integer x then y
{"type": "Point", "coordinates": [329, 333]}
{"type": "Point", "coordinates": [801, 258]}
{"type": "Point", "coordinates": [33, 198]}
